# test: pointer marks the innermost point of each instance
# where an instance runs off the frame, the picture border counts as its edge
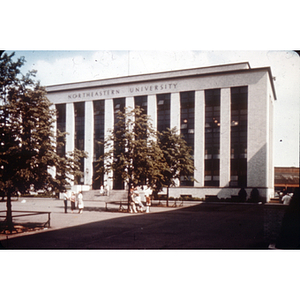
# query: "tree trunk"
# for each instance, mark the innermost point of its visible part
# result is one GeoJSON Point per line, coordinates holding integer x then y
{"type": "Point", "coordinates": [129, 195]}
{"type": "Point", "coordinates": [9, 212]}
{"type": "Point", "coordinates": [167, 196]}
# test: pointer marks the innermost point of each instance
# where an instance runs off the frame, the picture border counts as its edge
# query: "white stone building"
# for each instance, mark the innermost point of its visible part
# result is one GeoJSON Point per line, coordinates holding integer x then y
{"type": "Point", "coordinates": [225, 112]}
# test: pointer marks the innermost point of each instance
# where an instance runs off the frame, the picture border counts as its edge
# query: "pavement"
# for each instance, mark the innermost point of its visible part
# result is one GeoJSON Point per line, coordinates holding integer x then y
{"type": "Point", "coordinates": [196, 225]}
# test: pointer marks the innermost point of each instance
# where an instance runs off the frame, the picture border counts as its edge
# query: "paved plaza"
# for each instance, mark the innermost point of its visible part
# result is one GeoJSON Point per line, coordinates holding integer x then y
{"type": "Point", "coordinates": [193, 226]}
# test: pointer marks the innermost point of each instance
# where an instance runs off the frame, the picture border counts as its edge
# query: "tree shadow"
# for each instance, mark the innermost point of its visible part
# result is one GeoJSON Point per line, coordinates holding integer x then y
{"type": "Point", "coordinates": [202, 226]}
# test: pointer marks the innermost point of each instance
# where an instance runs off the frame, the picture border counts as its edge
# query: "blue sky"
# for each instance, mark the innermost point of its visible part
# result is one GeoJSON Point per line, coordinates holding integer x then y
{"type": "Point", "coordinates": [56, 67]}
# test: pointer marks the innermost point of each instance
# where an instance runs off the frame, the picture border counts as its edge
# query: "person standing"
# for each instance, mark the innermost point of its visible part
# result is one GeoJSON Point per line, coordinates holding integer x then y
{"type": "Point", "coordinates": [101, 190]}
{"type": "Point", "coordinates": [65, 198]}
{"type": "Point", "coordinates": [80, 202]}
{"type": "Point", "coordinates": [132, 207]}
{"type": "Point", "coordinates": [286, 199]}
{"type": "Point", "coordinates": [73, 201]}
{"type": "Point", "coordinates": [148, 203]}
{"type": "Point", "coordinates": [107, 190]}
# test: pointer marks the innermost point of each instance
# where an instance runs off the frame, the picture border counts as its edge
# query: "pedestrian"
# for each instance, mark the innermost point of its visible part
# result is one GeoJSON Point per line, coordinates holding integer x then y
{"type": "Point", "coordinates": [80, 202]}
{"type": "Point", "coordinates": [148, 204]}
{"type": "Point", "coordinates": [286, 199]}
{"type": "Point", "coordinates": [132, 207]}
{"type": "Point", "coordinates": [101, 190]}
{"type": "Point", "coordinates": [107, 190]}
{"type": "Point", "coordinates": [137, 200]}
{"type": "Point", "coordinates": [73, 201]}
{"type": "Point", "coordinates": [65, 198]}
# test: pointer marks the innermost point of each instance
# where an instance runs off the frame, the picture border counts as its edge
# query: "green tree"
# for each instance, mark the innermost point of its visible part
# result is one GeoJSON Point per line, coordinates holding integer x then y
{"type": "Point", "coordinates": [132, 151]}
{"type": "Point", "coordinates": [27, 137]}
{"type": "Point", "coordinates": [177, 156]}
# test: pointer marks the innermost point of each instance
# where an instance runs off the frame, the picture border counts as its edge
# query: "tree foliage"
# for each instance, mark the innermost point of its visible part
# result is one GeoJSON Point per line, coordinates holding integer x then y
{"type": "Point", "coordinates": [131, 150]}
{"type": "Point", "coordinates": [178, 157]}
{"type": "Point", "coordinates": [27, 136]}
{"type": "Point", "coordinates": [142, 156]}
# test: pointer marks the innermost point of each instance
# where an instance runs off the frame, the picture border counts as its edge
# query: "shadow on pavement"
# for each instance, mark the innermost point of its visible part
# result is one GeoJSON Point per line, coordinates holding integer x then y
{"type": "Point", "coordinates": [204, 226]}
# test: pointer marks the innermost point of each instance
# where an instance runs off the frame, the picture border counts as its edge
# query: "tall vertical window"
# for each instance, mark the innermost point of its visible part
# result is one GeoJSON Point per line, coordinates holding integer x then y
{"type": "Point", "coordinates": [212, 138]}
{"type": "Point", "coordinates": [99, 111]}
{"type": "Point", "coordinates": [61, 126]}
{"type": "Point", "coordinates": [163, 112]}
{"type": "Point", "coordinates": [119, 105]}
{"type": "Point", "coordinates": [187, 125]}
{"type": "Point", "coordinates": [239, 123]}
{"type": "Point", "coordinates": [141, 101]}
{"type": "Point", "coordinates": [79, 109]}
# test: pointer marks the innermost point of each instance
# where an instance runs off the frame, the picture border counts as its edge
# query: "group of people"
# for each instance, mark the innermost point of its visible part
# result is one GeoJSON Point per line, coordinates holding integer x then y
{"type": "Point", "coordinates": [135, 204]}
{"type": "Point", "coordinates": [137, 197]}
{"type": "Point", "coordinates": [76, 200]}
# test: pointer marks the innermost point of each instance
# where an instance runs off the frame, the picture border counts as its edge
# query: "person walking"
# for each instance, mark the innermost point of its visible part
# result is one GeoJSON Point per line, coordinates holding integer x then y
{"type": "Point", "coordinates": [80, 202]}
{"type": "Point", "coordinates": [65, 198]}
{"type": "Point", "coordinates": [73, 201]}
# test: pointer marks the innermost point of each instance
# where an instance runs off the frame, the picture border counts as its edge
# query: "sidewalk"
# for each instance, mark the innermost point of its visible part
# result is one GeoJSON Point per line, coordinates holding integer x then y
{"type": "Point", "coordinates": [94, 211]}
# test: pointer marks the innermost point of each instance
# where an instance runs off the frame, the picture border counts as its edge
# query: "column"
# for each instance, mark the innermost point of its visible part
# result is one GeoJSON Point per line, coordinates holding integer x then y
{"type": "Point", "coordinates": [89, 142]}
{"type": "Point", "coordinates": [199, 138]}
{"type": "Point", "coordinates": [52, 170]}
{"type": "Point", "coordinates": [129, 103]}
{"type": "Point", "coordinates": [108, 124]}
{"type": "Point", "coordinates": [70, 129]}
{"type": "Point", "coordinates": [225, 137]}
{"type": "Point", "coordinates": [152, 110]}
{"type": "Point", "coordinates": [175, 117]}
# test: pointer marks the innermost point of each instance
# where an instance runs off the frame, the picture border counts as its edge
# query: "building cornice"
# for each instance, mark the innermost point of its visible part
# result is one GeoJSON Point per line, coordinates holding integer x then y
{"type": "Point", "coordinates": [176, 74]}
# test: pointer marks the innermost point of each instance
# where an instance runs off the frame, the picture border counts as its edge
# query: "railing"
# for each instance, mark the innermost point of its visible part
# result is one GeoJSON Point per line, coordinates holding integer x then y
{"type": "Point", "coordinates": [27, 213]}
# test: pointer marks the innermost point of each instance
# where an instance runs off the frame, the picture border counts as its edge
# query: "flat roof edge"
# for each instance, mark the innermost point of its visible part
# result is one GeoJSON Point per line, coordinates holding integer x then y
{"type": "Point", "coordinates": [203, 71]}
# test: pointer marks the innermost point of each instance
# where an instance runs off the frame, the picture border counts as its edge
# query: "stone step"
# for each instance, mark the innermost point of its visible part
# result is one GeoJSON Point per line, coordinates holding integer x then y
{"type": "Point", "coordinates": [114, 195]}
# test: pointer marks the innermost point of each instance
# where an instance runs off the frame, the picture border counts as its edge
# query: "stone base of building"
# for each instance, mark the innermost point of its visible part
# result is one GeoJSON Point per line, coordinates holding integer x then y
{"type": "Point", "coordinates": [222, 194]}
{"type": "Point", "coordinates": [76, 188]}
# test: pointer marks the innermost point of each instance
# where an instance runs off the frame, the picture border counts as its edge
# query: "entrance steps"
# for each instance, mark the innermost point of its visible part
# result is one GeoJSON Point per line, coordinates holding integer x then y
{"type": "Point", "coordinates": [114, 195]}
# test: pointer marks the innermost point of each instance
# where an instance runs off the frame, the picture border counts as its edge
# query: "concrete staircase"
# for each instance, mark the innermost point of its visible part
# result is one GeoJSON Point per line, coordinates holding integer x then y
{"type": "Point", "coordinates": [114, 195]}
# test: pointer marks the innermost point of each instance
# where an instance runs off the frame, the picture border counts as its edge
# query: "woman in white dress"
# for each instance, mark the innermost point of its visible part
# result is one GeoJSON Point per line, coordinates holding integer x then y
{"type": "Point", "coordinates": [80, 202]}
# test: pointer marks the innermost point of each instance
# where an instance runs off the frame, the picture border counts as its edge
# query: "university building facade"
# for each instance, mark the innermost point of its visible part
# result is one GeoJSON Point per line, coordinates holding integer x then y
{"type": "Point", "coordinates": [224, 112]}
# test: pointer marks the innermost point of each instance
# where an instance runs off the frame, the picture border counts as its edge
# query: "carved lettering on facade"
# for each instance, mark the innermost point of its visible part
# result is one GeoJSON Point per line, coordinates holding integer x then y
{"type": "Point", "coordinates": [96, 94]}
{"type": "Point", "coordinates": [116, 92]}
{"type": "Point", "coordinates": [154, 87]}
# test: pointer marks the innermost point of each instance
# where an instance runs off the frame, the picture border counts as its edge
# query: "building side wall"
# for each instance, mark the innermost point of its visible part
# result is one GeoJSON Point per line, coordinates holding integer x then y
{"type": "Point", "coordinates": [257, 134]}
{"type": "Point", "coordinates": [271, 171]}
